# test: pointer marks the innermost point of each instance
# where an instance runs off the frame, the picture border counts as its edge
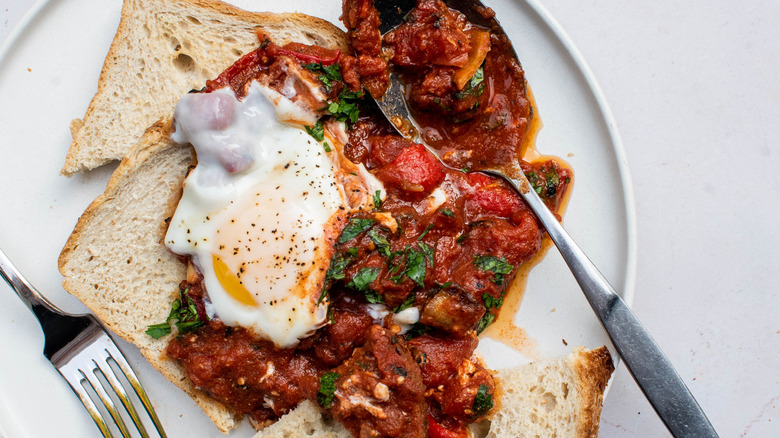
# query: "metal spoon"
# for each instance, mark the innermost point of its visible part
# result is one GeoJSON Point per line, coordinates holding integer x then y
{"type": "Point", "coordinates": [650, 367]}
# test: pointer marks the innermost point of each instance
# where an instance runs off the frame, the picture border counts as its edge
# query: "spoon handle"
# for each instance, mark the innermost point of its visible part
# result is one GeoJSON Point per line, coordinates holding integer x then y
{"type": "Point", "coordinates": [650, 367]}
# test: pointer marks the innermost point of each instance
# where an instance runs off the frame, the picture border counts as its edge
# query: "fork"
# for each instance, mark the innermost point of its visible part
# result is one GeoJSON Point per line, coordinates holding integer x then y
{"type": "Point", "coordinates": [81, 350]}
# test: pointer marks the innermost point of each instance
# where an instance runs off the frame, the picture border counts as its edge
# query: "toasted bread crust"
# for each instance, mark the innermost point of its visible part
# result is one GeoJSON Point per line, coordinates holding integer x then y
{"type": "Point", "coordinates": [184, 42]}
{"type": "Point", "coordinates": [594, 368]}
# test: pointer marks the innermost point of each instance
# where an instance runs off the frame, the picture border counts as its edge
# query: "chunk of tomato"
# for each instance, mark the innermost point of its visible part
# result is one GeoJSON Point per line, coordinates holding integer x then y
{"type": "Point", "coordinates": [495, 199]}
{"type": "Point", "coordinates": [414, 170]}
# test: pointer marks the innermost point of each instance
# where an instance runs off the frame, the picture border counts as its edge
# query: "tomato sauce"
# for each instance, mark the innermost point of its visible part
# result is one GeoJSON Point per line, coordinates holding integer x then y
{"type": "Point", "coordinates": [446, 240]}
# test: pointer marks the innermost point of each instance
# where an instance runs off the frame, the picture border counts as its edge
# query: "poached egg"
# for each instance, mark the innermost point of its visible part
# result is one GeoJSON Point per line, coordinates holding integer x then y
{"type": "Point", "coordinates": [262, 210]}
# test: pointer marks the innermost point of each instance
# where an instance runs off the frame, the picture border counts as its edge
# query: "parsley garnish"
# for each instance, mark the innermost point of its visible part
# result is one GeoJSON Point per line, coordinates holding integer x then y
{"type": "Point", "coordinates": [552, 183]}
{"type": "Point", "coordinates": [485, 321]}
{"type": "Point", "coordinates": [483, 402]}
{"type": "Point", "coordinates": [355, 227]}
{"type": "Point", "coordinates": [415, 264]}
{"type": "Point", "coordinates": [328, 389]}
{"type": "Point", "coordinates": [339, 263]}
{"type": "Point", "coordinates": [378, 200]}
{"type": "Point", "coordinates": [346, 109]}
{"type": "Point", "coordinates": [492, 303]}
{"type": "Point", "coordinates": [327, 74]}
{"type": "Point", "coordinates": [373, 297]}
{"type": "Point", "coordinates": [326, 146]}
{"type": "Point", "coordinates": [475, 87]}
{"type": "Point", "coordinates": [428, 228]}
{"type": "Point", "coordinates": [488, 318]}
{"type": "Point", "coordinates": [535, 182]}
{"type": "Point", "coordinates": [427, 251]}
{"type": "Point", "coordinates": [382, 245]}
{"type": "Point", "coordinates": [498, 266]}
{"type": "Point", "coordinates": [447, 212]}
{"type": "Point", "coordinates": [415, 267]}
{"type": "Point", "coordinates": [406, 304]}
{"type": "Point", "coordinates": [186, 317]}
{"type": "Point", "coordinates": [336, 270]}
{"type": "Point", "coordinates": [363, 279]}
{"type": "Point", "coordinates": [316, 131]}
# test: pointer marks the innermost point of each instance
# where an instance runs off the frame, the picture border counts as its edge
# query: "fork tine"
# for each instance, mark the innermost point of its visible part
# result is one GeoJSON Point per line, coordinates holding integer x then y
{"type": "Point", "coordinates": [121, 362]}
{"type": "Point", "coordinates": [108, 372]}
{"type": "Point", "coordinates": [76, 384]}
{"type": "Point", "coordinates": [91, 377]}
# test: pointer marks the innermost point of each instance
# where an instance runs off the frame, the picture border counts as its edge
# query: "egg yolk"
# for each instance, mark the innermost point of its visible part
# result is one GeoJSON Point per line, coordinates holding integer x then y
{"type": "Point", "coordinates": [231, 283]}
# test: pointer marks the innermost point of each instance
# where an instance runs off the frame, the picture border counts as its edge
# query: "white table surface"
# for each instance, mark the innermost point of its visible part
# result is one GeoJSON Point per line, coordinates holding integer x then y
{"type": "Point", "coordinates": [695, 89]}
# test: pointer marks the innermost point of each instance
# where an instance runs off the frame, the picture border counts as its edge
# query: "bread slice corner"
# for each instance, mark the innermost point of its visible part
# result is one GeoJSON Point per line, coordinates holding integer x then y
{"type": "Point", "coordinates": [553, 398]}
{"type": "Point", "coordinates": [162, 50]}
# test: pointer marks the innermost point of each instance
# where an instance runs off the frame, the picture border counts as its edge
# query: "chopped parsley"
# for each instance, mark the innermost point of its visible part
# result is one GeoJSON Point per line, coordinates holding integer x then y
{"type": "Point", "coordinates": [552, 183]}
{"type": "Point", "coordinates": [378, 200]}
{"type": "Point", "coordinates": [447, 212]}
{"type": "Point", "coordinates": [535, 182]}
{"type": "Point", "coordinates": [355, 227]}
{"type": "Point", "coordinates": [186, 317]}
{"type": "Point", "coordinates": [382, 245]}
{"type": "Point", "coordinates": [428, 228]}
{"type": "Point", "coordinates": [327, 74]}
{"type": "Point", "coordinates": [408, 302]}
{"type": "Point", "coordinates": [492, 303]}
{"type": "Point", "coordinates": [499, 266]}
{"type": "Point", "coordinates": [415, 264]}
{"type": "Point", "coordinates": [427, 251]}
{"type": "Point", "coordinates": [488, 318]}
{"type": "Point", "coordinates": [336, 270]}
{"type": "Point", "coordinates": [475, 87]}
{"type": "Point", "coordinates": [346, 109]}
{"type": "Point", "coordinates": [328, 390]}
{"type": "Point", "coordinates": [317, 131]}
{"type": "Point", "coordinates": [415, 267]}
{"type": "Point", "coordinates": [483, 401]}
{"type": "Point", "coordinates": [373, 297]}
{"type": "Point", "coordinates": [326, 146]}
{"type": "Point", "coordinates": [485, 321]}
{"type": "Point", "coordinates": [545, 184]}
{"type": "Point", "coordinates": [339, 263]}
{"type": "Point", "coordinates": [363, 279]}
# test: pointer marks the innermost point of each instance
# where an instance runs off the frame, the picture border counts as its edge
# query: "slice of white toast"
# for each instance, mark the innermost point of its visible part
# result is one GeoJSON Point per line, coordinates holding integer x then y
{"type": "Point", "coordinates": [162, 50]}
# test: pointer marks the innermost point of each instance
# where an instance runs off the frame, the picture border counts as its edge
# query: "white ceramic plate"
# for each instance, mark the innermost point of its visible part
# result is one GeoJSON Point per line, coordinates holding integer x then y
{"type": "Point", "coordinates": [49, 67]}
